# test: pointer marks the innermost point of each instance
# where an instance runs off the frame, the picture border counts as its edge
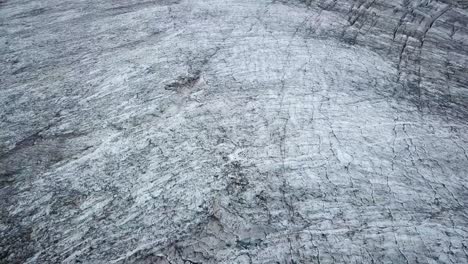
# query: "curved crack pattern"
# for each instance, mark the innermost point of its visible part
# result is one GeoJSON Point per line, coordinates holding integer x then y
{"type": "Point", "coordinates": [233, 131]}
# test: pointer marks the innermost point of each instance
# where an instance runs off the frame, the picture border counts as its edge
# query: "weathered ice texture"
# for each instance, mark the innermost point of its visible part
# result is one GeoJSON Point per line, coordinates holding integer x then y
{"type": "Point", "coordinates": [233, 131]}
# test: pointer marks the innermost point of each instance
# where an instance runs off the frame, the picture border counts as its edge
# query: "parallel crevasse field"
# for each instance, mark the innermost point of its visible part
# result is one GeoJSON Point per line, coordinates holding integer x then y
{"type": "Point", "coordinates": [233, 131]}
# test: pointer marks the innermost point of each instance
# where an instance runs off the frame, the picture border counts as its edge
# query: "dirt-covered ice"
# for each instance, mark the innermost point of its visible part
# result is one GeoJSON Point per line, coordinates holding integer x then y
{"type": "Point", "coordinates": [233, 131]}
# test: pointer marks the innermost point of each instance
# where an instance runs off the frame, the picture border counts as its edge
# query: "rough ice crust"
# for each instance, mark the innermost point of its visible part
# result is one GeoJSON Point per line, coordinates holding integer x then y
{"type": "Point", "coordinates": [233, 131]}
